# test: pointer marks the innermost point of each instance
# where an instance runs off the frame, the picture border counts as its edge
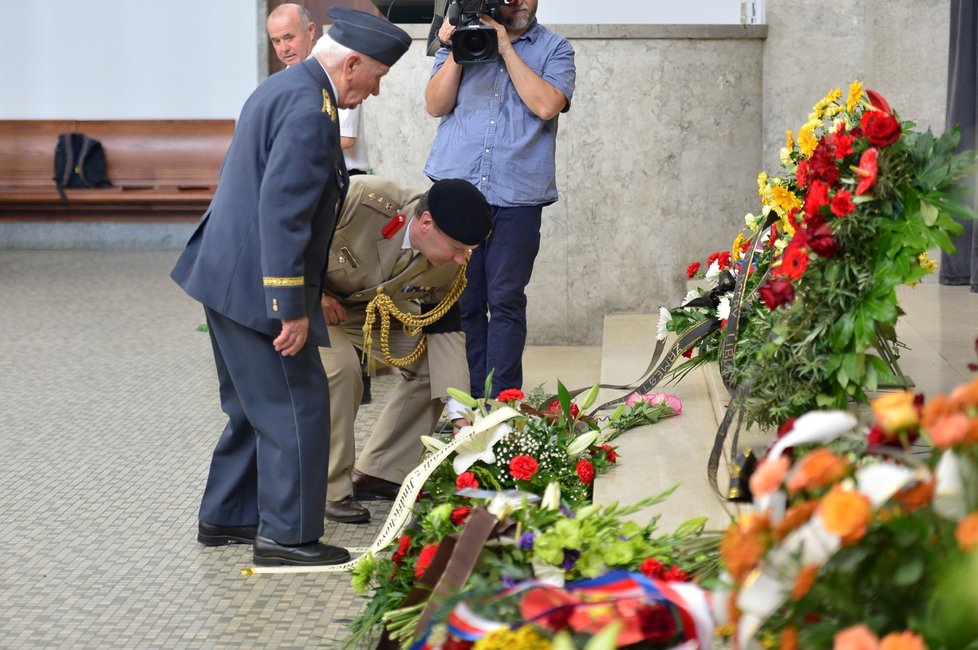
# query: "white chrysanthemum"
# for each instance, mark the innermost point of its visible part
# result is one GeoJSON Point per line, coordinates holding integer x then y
{"type": "Point", "coordinates": [690, 296]}
{"type": "Point", "coordinates": [723, 309]}
{"type": "Point", "coordinates": [713, 272]}
{"type": "Point", "coordinates": [661, 331]}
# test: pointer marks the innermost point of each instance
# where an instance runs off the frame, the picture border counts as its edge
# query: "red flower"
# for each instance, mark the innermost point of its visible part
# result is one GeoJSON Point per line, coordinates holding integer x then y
{"type": "Point", "coordinates": [585, 471]}
{"type": "Point", "coordinates": [801, 176]}
{"type": "Point", "coordinates": [675, 574]}
{"type": "Point", "coordinates": [510, 395]}
{"type": "Point", "coordinates": [652, 568]}
{"type": "Point", "coordinates": [776, 292]}
{"type": "Point", "coordinates": [843, 144]}
{"type": "Point", "coordinates": [881, 129]}
{"type": "Point", "coordinates": [842, 203]}
{"type": "Point", "coordinates": [402, 549]}
{"type": "Point", "coordinates": [688, 353]}
{"type": "Point", "coordinates": [866, 171]}
{"type": "Point", "coordinates": [657, 623]}
{"type": "Point", "coordinates": [818, 195]}
{"type": "Point", "coordinates": [457, 644]}
{"type": "Point", "coordinates": [460, 514]}
{"type": "Point", "coordinates": [722, 258]}
{"type": "Point", "coordinates": [523, 467]}
{"type": "Point", "coordinates": [553, 408]}
{"type": "Point", "coordinates": [425, 557]}
{"type": "Point", "coordinates": [794, 262]}
{"type": "Point", "coordinates": [692, 269]}
{"type": "Point", "coordinates": [610, 452]}
{"type": "Point", "coordinates": [466, 480]}
{"type": "Point", "coordinates": [821, 241]}
{"type": "Point", "coordinates": [823, 165]}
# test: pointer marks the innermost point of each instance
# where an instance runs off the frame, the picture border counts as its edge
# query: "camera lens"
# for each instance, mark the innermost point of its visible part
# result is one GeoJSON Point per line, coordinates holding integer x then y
{"type": "Point", "coordinates": [477, 44]}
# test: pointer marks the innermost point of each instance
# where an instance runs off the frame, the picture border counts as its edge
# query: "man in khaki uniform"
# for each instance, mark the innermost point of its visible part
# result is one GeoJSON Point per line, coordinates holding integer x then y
{"type": "Point", "coordinates": [409, 245]}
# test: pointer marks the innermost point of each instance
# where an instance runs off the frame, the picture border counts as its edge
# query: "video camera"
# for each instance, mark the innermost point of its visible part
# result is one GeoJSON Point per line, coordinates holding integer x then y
{"type": "Point", "coordinates": [472, 41]}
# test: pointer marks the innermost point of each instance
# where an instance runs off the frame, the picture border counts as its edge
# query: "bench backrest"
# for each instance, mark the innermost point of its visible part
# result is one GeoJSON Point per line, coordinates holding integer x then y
{"type": "Point", "coordinates": [183, 153]}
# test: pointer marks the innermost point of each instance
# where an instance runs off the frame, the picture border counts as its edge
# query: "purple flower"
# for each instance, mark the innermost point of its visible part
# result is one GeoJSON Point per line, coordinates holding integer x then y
{"type": "Point", "coordinates": [526, 540]}
{"type": "Point", "coordinates": [570, 559]}
{"type": "Point", "coordinates": [509, 583]}
{"type": "Point", "coordinates": [567, 511]}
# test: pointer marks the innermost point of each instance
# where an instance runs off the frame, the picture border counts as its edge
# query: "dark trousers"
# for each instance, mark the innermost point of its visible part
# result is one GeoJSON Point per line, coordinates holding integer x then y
{"type": "Point", "coordinates": [269, 466]}
{"type": "Point", "coordinates": [494, 301]}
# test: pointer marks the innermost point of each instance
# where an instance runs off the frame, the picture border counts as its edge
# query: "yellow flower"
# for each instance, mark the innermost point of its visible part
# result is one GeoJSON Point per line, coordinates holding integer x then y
{"type": "Point", "coordinates": [785, 200]}
{"type": "Point", "coordinates": [525, 638]}
{"type": "Point", "coordinates": [790, 142]}
{"type": "Point", "coordinates": [762, 186]}
{"type": "Point", "coordinates": [787, 227]}
{"type": "Point", "coordinates": [807, 140]}
{"type": "Point", "coordinates": [926, 263]}
{"type": "Point", "coordinates": [735, 253]}
{"type": "Point", "coordinates": [855, 94]}
{"type": "Point", "coordinates": [896, 412]}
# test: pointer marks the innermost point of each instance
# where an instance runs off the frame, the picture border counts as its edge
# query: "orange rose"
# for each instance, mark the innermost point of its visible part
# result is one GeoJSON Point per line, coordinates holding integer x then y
{"type": "Point", "coordinates": [768, 475]}
{"type": "Point", "coordinates": [794, 517]}
{"type": "Point", "coordinates": [917, 496]}
{"type": "Point", "coordinates": [804, 581]}
{"type": "Point", "coordinates": [935, 409]}
{"type": "Point", "coordinates": [846, 514]}
{"type": "Point", "coordinates": [857, 637]}
{"type": "Point", "coordinates": [818, 468]}
{"type": "Point", "coordinates": [949, 430]}
{"type": "Point", "coordinates": [744, 543]}
{"type": "Point", "coordinates": [789, 640]}
{"type": "Point", "coordinates": [967, 532]}
{"type": "Point", "coordinates": [895, 412]}
{"type": "Point", "coordinates": [902, 641]}
{"type": "Point", "coordinates": [964, 397]}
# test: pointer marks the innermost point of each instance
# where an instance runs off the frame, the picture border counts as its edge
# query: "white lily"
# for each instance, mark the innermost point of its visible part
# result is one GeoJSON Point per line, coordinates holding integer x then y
{"type": "Point", "coordinates": [581, 443]}
{"type": "Point", "coordinates": [881, 481]}
{"type": "Point", "coordinates": [814, 426]}
{"type": "Point", "coordinates": [951, 496]}
{"type": "Point", "coordinates": [551, 496]}
{"type": "Point", "coordinates": [480, 437]}
{"type": "Point", "coordinates": [432, 444]}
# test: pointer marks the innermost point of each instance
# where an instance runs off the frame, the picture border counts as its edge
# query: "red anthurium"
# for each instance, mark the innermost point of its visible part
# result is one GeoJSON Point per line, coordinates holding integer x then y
{"type": "Point", "coordinates": [877, 101]}
{"type": "Point", "coordinates": [866, 171]}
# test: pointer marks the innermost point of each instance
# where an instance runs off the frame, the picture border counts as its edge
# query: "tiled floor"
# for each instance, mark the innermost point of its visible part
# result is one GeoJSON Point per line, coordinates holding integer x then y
{"type": "Point", "coordinates": [108, 415]}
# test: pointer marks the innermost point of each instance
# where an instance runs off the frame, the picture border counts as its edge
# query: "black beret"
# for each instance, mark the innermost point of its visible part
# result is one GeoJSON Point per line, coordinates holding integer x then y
{"type": "Point", "coordinates": [460, 210]}
{"type": "Point", "coordinates": [368, 34]}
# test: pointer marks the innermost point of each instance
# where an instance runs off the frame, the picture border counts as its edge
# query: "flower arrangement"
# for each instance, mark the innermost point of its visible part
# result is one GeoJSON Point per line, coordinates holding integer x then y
{"type": "Point", "coordinates": [861, 199]}
{"type": "Point", "coordinates": [863, 536]}
{"type": "Point", "coordinates": [534, 470]}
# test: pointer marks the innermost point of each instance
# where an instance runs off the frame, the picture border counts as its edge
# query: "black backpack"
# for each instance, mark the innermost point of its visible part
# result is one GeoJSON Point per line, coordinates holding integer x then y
{"type": "Point", "coordinates": [79, 161]}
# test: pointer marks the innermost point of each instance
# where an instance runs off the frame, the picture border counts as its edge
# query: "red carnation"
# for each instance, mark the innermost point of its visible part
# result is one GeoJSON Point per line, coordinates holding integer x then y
{"type": "Point", "coordinates": [842, 203]}
{"type": "Point", "coordinates": [843, 144]}
{"type": "Point", "coordinates": [523, 467]}
{"type": "Point", "coordinates": [801, 176]}
{"type": "Point", "coordinates": [692, 269]}
{"type": "Point", "coordinates": [794, 262]}
{"type": "Point", "coordinates": [460, 514]}
{"type": "Point", "coordinates": [553, 408]}
{"type": "Point", "coordinates": [675, 574]}
{"type": "Point", "coordinates": [657, 623]}
{"type": "Point", "coordinates": [866, 171]}
{"type": "Point", "coordinates": [776, 292]}
{"type": "Point", "coordinates": [818, 195]}
{"type": "Point", "coordinates": [823, 166]}
{"type": "Point", "coordinates": [510, 395]}
{"type": "Point", "coordinates": [425, 557]}
{"type": "Point", "coordinates": [585, 471]}
{"type": "Point", "coordinates": [466, 480]}
{"type": "Point", "coordinates": [881, 129]}
{"type": "Point", "coordinates": [610, 452]}
{"type": "Point", "coordinates": [652, 568]}
{"type": "Point", "coordinates": [821, 241]}
{"type": "Point", "coordinates": [402, 549]}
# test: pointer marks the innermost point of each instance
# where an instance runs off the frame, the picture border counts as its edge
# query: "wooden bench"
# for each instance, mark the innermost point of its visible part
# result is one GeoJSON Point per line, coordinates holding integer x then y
{"type": "Point", "coordinates": [158, 168]}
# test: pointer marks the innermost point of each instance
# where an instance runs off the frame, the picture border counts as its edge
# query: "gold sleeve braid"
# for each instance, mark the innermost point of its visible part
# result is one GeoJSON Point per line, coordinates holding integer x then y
{"type": "Point", "coordinates": [384, 306]}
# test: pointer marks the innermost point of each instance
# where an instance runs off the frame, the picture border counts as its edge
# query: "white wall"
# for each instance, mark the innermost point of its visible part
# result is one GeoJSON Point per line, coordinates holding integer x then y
{"type": "Point", "coordinates": [679, 12]}
{"type": "Point", "coordinates": [126, 59]}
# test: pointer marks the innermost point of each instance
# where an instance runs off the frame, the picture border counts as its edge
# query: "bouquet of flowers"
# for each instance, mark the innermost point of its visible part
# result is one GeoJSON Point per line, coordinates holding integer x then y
{"type": "Point", "coordinates": [861, 200]}
{"type": "Point", "coordinates": [863, 536]}
{"type": "Point", "coordinates": [527, 456]}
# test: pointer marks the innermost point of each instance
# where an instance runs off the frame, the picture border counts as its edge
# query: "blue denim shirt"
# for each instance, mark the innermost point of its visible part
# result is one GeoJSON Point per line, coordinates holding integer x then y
{"type": "Point", "coordinates": [491, 138]}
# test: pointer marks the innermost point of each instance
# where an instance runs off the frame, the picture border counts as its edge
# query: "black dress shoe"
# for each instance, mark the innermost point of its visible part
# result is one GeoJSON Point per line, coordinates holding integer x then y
{"type": "Point", "coordinates": [368, 488]}
{"type": "Point", "coordinates": [347, 511]}
{"type": "Point", "coordinates": [268, 552]}
{"type": "Point", "coordinates": [211, 535]}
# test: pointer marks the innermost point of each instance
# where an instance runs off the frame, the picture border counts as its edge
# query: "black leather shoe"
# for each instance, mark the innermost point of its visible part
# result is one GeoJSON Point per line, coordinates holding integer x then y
{"type": "Point", "coordinates": [211, 535]}
{"type": "Point", "coordinates": [268, 552]}
{"type": "Point", "coordinates": [347, 511]}
{"type": "Point", "coordinates": [368, 488]}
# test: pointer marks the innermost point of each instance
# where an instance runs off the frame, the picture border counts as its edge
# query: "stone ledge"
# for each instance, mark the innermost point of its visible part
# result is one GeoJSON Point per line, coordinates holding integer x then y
{"type": "Point", "coordinates": [635, 32]}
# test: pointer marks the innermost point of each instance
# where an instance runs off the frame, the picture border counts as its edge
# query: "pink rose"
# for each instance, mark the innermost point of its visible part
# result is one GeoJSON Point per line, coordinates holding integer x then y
{"type": "Point", "coordinates": [655, 399]}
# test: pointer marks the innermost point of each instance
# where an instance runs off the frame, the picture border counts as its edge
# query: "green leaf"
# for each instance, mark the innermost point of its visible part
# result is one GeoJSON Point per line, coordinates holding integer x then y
{"type": "Point", "coordinates": [606, 639]}
{"type": "Point", "coordinates": [929, 213]}
{"type": "Point", "coordinates": [909, 571]}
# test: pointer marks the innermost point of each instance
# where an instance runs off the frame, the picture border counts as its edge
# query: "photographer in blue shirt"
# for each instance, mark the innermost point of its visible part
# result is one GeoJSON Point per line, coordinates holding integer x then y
{"type": "Point", "coordinates": [498, 131]}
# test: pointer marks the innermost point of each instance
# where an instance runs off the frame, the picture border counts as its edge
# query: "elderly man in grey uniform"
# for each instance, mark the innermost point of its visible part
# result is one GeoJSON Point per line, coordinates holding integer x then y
{"type": "Point", "coordinates": [410, 246]}
{"type": "Point", "coordinates": [257, 261]}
